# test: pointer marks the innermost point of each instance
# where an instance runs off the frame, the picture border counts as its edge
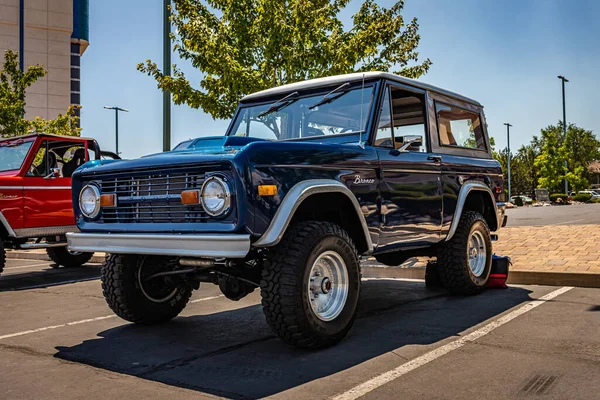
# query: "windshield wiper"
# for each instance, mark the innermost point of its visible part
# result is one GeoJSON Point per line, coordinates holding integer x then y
{"type": "Point", "coordinates": [279, 104]}
{"type": "Point", "coordinates": [338, 91]}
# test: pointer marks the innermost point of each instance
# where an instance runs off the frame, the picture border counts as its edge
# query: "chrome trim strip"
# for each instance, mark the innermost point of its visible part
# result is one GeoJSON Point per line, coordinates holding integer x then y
{"type": "Point", "coordinates": [462, 197]}
{"type": "Point", "coordinates": [6, 225]}
{"type": "Point", "coordinates": [295, 197]}
{"type": "Point", "coordinates": [35, 187]}
{"type": "Point", "coordinates": [411, 171]}
{"type": "Point", "coordinates": [469, 173]}
{"type": "Point", "coordinates": [45, 231]}
{"type": "Point", "coordinates": [206, 245]}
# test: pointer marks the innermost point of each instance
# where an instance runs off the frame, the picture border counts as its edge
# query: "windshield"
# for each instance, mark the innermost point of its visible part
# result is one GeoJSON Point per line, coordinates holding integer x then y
{"type": "Point", "coordinates": [296, 118]}
{"type": "Point", "coordinates": [12, 154]}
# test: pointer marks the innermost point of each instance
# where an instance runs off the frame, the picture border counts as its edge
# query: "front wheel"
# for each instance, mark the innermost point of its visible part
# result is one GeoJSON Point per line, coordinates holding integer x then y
{"type": "Point", "coordinates": [465, 261]}
{"type": "Point", "coordinates": [310, 285]}
{"type": "Point", "coordinates": [67, 258]}
{"type": "Point", "coordinates": [135, 292]}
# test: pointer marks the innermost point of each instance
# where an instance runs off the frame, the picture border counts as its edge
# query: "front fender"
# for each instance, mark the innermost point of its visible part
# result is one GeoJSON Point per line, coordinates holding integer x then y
{"type": "Point", "coordinates": [294, 198]}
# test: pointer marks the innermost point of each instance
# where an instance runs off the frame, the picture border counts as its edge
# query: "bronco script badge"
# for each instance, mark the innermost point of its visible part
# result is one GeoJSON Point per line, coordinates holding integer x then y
{"type": "Point", "coordinates": [358, 179]}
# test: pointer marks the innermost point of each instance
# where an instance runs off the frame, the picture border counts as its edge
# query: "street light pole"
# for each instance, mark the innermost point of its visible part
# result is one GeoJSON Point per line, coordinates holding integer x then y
{"type": "Point", "coordinates": [167, 72]}
{"type": "Point", "coordinates": [508, 153]}
{"type": "Point", "coordinates": [117, 109]}
{"type": "Point", "coordinates": [563, 79]}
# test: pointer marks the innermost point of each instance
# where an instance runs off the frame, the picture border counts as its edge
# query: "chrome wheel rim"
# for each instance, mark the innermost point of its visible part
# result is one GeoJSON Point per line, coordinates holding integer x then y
{"type": "Point", "coordinates": [477, 253]}
{"type": "Point", "coordinates": [328, 286]}
{"type": "Point", "coordinates": [151, 290]}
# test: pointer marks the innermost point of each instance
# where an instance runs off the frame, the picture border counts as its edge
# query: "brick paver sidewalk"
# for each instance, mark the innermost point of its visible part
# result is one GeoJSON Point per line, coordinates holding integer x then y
{"type": "Point", "coordinates": [563, 248]}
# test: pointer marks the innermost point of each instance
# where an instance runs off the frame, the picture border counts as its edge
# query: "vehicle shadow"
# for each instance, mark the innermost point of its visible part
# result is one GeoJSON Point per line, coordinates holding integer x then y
{"type": "Point", "coordinates": [46, 276]}
{"type": "Point", "coordinates": [234, 354]}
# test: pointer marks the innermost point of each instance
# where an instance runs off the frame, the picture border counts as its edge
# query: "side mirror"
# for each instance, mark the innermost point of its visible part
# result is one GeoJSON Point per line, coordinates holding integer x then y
{"type": "Point", "coordinates": [409, 141]}
{"type": "Point", "coordinates": [54, 173]}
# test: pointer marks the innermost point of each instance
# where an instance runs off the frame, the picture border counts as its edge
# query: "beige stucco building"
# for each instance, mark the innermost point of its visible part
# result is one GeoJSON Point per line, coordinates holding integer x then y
{"type": "Point", "coordinates": [52, 33]}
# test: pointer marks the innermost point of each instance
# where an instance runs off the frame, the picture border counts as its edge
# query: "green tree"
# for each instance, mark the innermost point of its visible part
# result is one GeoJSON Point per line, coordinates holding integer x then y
{"type": "Point", "coordinates": [581, 148]}
{"type": "Point", "coordinates": [244, 46]}
{"type": "Point", "coordinates": [13, 85]}
{"type": "Point", "coordinates": [577, 179]}
{"type": "Point", "coordinates": [550, 160]}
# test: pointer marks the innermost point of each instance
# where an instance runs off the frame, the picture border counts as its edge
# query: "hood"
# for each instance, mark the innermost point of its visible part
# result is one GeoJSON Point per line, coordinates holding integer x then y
{"type": "Point", "coordinates": [217, 144]}
{"type": "Point", "coordinates": [214, 149]}
{"type": "Point", "coordinates": [9, 173]}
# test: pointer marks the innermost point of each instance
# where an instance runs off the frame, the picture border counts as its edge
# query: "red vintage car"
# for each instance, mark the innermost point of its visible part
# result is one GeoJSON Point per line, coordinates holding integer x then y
{"type": "Point", "coordinates": [36, 208]}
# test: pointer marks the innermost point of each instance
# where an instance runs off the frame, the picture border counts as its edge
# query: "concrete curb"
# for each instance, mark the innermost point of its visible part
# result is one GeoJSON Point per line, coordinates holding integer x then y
{"type": "Point", "coordinates": [547, 278]}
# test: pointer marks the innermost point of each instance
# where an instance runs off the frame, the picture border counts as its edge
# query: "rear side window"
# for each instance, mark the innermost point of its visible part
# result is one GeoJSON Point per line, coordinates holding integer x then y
{"type": "Point", "coordinates": [459, 128]}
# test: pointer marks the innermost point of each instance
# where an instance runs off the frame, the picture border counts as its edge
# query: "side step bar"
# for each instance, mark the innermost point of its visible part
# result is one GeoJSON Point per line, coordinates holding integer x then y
{"type": "Point", "coordinates": [31, 246]}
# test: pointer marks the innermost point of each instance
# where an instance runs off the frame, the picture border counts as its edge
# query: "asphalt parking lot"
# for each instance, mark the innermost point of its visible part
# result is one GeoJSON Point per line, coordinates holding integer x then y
{"type": "Point", "coordinates": [575, 214]}
{"type": "Point", "coordinates": [59, 340]}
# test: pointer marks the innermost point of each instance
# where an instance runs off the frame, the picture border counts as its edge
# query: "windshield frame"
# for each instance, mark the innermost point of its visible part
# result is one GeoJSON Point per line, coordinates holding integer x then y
{"type": "Point", "coordinates": [324, 90]}
{"type": "Point", "coordinates": [6, 143]}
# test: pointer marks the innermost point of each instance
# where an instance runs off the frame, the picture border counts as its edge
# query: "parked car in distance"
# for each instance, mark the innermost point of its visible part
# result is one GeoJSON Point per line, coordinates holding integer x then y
{"type": "Point", "coordinates": [308, 177]}
{"type": "Point", "coordinates": [36, 205]}
{"type": "Point", "coordinates": [526, 199]}
{"type": "Point", "coordinates": [593, 193]}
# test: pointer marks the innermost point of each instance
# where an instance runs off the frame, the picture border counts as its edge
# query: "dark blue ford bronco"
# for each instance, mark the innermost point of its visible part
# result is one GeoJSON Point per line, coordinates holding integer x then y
{"type": "Point", "coordinates": [309, 177]}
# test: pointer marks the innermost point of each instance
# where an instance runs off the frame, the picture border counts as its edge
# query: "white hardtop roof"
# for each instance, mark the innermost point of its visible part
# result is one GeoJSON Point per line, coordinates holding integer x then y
{"type": "Point", "coordinates": [354, 77]}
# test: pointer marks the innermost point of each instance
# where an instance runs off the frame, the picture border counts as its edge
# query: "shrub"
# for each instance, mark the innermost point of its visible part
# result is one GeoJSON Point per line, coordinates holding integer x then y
{"type": "Point", "coordinates": [582, 197]}
{"type": "Point", "coordinates": [595, 200]}
{"type": "Point", "coordinates": [559, 196]}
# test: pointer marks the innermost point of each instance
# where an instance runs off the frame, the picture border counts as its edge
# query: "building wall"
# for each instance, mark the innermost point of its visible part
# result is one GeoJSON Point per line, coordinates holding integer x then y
{"type": "Point", "coordinates": [47, 41]}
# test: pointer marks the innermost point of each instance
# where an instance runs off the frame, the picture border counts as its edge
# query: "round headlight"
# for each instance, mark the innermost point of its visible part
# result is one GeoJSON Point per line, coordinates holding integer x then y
{"type": "Point", "coordinates": [216, 196]}
{"type": "Point", "coordinates": [89, 201]}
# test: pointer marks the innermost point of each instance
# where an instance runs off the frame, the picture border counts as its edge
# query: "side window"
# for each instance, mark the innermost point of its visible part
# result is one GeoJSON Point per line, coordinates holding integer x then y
{"type": "Point", "coordinates": [402, 119]}
{"type": "Point", "coordinates": [409, 118]}
{"type": "Point", "coordinates": [43, 161]}
{"type": "Point", "coordinates": [460, 128]}
{"type": "Point", "coordinates": [384, 137]}
{"type": "Point", "coordinates": [70, 155]}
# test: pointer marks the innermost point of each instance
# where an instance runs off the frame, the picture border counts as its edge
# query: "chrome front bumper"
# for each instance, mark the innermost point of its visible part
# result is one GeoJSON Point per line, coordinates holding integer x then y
{"type": "Point", "coordinates": [202, 245]}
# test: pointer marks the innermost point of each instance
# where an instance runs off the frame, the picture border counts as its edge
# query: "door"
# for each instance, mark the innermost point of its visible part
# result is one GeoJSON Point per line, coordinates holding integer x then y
{"type": "Point", "coordinates": [47, 182]}
{"type": "Point", "coordinates": [410, 184]}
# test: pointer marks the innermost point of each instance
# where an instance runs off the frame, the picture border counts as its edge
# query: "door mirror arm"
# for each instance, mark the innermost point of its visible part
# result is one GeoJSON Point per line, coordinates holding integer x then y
{"type": "Point", "coordinates": [411, 142]}
{"type": "Point", "coordinates": [54, 173]}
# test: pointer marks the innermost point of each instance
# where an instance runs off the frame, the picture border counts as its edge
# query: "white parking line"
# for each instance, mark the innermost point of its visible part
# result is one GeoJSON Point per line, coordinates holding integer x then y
{"type": "Point", "coordinates": [380, 380]}
{"type": "Point", "coordinates": [84, 321]}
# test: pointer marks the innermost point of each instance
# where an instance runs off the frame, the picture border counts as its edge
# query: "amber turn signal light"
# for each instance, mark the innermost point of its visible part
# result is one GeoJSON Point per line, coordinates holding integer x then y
{"type": "Point", "coordinates": [190, 197]}
{"type": "Point", "coordinates": [267, 190]}
{"type": "Point", "coordinates": [108, 200]}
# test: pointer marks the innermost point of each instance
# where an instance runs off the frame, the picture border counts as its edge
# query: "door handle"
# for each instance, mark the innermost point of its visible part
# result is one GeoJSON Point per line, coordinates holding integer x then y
{"type": "Point", "coordinates": [437, 159]}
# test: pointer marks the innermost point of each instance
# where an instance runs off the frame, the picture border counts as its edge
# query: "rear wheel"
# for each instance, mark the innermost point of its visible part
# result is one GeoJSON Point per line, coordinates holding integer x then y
{"type": "Point", "coordinates": [65, 257]}
{"type": "Point", "coordinates": [465, 261]}
{"type": "Point", "coordinates": [135, 293]}
{"type": "Point", "coordinates": [310, 285]}
{"type": "Point", "coordinates": [2, 256]}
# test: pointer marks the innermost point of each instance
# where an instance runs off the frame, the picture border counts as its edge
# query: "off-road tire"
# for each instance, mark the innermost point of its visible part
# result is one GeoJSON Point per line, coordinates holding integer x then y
{"type": "Point", "coordinates": [285, 278]}
{"type": "Point", "coordinates": [120, 286]}
{"type": "Point", "coordinates": [61, 256]}
{"type": "Point", "coordinates": [2, 256]}
{"type": "Point", "coordinates": [453, 265]}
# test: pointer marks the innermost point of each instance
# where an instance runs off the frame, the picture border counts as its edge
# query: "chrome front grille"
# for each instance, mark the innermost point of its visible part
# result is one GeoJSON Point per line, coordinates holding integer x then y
{"type": "Point", "coordinates": [153, 197]}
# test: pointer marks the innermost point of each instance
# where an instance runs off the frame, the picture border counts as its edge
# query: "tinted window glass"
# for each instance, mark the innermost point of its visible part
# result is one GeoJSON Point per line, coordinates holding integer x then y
{"type": "Point", "coordinates": [409, 118]}
{"type": "Point", "coordinates": [458, 127]}
{"type": "Point", "coordinates": [384, 136]}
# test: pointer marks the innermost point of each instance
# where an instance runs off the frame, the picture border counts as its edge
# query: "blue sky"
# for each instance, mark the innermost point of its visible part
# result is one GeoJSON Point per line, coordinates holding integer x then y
{"type": "Point", "coordinates": [505, 54]}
